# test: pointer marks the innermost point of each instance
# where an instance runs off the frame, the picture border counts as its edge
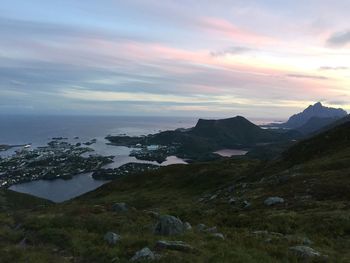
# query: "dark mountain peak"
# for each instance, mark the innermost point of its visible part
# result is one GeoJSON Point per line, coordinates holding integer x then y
{"type": "Point", "coordinates": [316, 110]}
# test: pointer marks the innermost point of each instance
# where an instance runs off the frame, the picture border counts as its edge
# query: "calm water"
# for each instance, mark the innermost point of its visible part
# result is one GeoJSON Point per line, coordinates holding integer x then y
{"type": "Point", "coordinates": [38, 130]}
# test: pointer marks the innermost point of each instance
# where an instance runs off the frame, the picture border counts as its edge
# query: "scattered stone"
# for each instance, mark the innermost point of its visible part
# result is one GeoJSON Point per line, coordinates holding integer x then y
{"type": "Point", "coordinates": [120, 207]}
{"type": "Point", "coordinates": [232, 201]}
{"type": "Point", "coordinates": [112, 238]}
{"type": "Point", "coordinates": [173, 245]}
{"type": "Point", "coordinates": [246, 204]}
{"type": "Point", "coordinates": [143, 254]}
{"type": "Point", "coordinates": [201, 228]}
{"type": "Point", "coordinates": [213, 197]}
{"type": "Point", "coordinates": [187, 226]}
{"type": "Point", "coordinates": [218, 235]}
{"type": "Point", "coordinates": [273, 201]}
{"type": "Point", "coordinates": [169, 225]}
{"type": "Point", "coordinates": [212, 230]}
{"type": "Point", "coordinates": [305, 252]}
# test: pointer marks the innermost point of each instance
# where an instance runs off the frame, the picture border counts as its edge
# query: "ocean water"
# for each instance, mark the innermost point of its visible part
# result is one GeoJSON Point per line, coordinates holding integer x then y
{"type": "Point", "coordinates": [39, 130]}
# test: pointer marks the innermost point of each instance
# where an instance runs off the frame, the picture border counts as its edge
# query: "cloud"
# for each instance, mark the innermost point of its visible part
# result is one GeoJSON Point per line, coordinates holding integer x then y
{"type": "Point", "coordinates": [303, 76]}
{"type": "Point", "coordinates": [339, 39]}
{"type": "Point", "coordinates": [236, 50]}
{"type": "Point", "coordinates": [333, 68]}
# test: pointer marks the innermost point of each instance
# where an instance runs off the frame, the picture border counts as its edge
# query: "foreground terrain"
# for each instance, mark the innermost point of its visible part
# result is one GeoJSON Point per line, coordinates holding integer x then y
{"type": "Point", "coordinates": [306, 220]}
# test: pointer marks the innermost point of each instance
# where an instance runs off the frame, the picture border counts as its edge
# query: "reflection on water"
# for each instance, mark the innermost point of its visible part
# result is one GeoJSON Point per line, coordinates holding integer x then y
{"type": "Point", "coordinates": [59, 190]}
{"type": "Point", "coordinates": [230, 152]}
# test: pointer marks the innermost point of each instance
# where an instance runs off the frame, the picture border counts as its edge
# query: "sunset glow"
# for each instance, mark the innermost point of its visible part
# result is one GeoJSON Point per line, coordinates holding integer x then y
{"type": "Point", "coordinates": [184, 57]}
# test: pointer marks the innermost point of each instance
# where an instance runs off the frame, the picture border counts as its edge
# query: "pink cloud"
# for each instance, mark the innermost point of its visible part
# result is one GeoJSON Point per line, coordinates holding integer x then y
{"type": "Point", "coordinates": [223, 27]}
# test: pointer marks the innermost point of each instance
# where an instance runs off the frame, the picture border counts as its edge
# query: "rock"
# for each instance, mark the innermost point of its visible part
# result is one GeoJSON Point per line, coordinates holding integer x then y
{"type": "Point", "coordinates": [120, 207]}
{"type": "Point", "coordinates": [304, 252]}
{"type": "Point", "coordinates": [173, 245]}
{"type": "Point", "coordinates": [213, 197]}
{"type": "Point", "coordinates": [169, 225]}
{"type": "Point", "coordinates": [201, 228]}
{"type": "Point", "coordinates": [143, 254]}
{"type": "Point", "coordinates": [212, 230]}
{"type": "Point", "coordinates": [273, 201]}
{"type": "Point", "coordinates": [218, 235]}
{"type": "Point", "coordinates": [232, 201]}
{"type": "Point", "coordinates": [246, 204]}
{"type": "Point", "coordinates": [112, 238]}
{"type": "Point", "coordinates": [187, 226]}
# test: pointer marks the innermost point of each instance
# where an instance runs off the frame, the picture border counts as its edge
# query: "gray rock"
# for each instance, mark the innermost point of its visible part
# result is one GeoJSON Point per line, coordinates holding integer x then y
{"type": "Point", "coordinates": [169, 225]}
{"type": "Point", "coordinates": [218, 235]}
{"type": "Point", "coordinates": [213, 197]}
{"type": "Point", "coordinates": [212, 230]}
{"type": "Point", "coordinates": [173, 245]}
{"type": "Point", "coordinates": [246, 204]}
{"type": "Point", "coordinates": [120, 207]}
{"type": "Point", "coordinates": [187, 226]}
{"type": "Point", "coordinates": [143, 254]}
{"type": "Point", "coordinates": [201, 228]}
{"type": "Point", "coordinates": [304, 252]}
{"type": "Point", "coordinates": [112, 238]}
{"type": "Point", "coordinates": [232, 201]}
{"type": "Point", "coordinates": [273, 201]}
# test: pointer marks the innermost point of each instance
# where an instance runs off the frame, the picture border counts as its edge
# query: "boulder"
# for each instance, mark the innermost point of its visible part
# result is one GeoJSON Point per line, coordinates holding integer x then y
{"type": "Point", "coordinates": [120, 207]}
{"type": "Point", "coordinates": [173, 245]}
{"type": "Point", "coordinates": [169, 225]}
{"type": "Point", "coordinates": [273, 201]}
{"type": "Point", "coordinates": [112, 238]}
{"type": "Point", "coordinates": [143, 254]}
{"type": "Point", "coordinates": [304, 252]}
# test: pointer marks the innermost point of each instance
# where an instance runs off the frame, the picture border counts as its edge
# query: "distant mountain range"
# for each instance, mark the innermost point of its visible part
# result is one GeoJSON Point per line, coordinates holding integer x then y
{"type": "Point", "coordinates": [316, 114]}
{"type": "Point", "coordinates": [207, 136]}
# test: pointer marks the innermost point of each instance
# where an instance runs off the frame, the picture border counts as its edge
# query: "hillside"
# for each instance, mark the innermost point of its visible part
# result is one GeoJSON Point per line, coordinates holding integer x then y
{"type": "Point", "coordinates": [311, 181]}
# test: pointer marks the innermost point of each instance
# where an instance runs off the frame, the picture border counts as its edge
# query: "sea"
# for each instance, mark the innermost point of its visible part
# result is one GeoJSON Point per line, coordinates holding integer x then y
{"type": "Point", "coordinates": [39, 130]}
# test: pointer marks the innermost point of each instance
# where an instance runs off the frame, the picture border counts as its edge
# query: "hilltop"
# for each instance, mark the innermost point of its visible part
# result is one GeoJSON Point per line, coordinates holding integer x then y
{"type": "Point", "coordinates": [293, 209]}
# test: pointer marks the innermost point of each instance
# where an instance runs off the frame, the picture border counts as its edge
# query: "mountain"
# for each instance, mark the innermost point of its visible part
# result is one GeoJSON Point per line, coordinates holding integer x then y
{"type": "Point", "coordinates": [316, 110]}
{"type": "Point", "coordinates": [315, 124]}
{"type": "Point", "coordinates": [199, 142]}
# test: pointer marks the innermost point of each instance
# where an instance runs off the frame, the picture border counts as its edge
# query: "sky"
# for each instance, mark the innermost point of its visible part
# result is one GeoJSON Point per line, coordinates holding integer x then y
{"type": "Point", "coordinates": [199, 58]}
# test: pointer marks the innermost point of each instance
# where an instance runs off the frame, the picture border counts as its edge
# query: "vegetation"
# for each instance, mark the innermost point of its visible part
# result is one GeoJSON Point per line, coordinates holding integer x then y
{"type": "Point", "coordinates": [312, 177]}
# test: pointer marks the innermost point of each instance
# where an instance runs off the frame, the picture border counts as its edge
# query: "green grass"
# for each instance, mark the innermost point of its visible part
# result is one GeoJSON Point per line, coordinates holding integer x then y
{"type": "Point", "coordinates": [316, 193]}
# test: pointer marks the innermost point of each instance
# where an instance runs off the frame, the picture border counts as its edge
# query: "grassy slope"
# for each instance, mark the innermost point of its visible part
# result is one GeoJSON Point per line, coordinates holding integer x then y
{"type": "Point", "coordinates": [317, 206]}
